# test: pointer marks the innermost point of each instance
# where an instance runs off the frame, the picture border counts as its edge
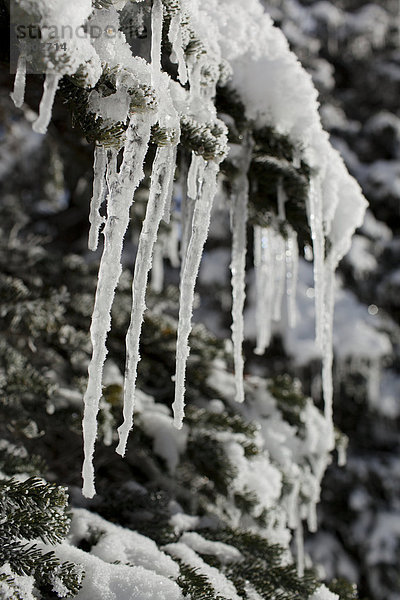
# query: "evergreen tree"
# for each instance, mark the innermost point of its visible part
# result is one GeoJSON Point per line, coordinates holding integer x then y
{"type": "Point", "coordinates": [205, 511]}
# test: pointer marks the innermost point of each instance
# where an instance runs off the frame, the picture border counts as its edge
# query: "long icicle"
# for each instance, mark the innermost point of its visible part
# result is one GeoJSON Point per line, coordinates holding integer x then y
{"type": "Point", "coordinates": [194, 179]}
{"type": "Point", "coordinates": [18, 94]}
{"type": "Point", "coordinates": [175, 39]}
{"type": "Point", "coordinates": [46, 104]}
{"type": "Point", "coordinates": [292, 273]}
{"type": "Point", "coordinates": [162, 171]}
{"type": "Point", "coordinates": [168, 202]}
{"type": "Point", "coordinates": [99, 189]}
{"type": "Point", "coordinates": [327, 348]}
{"type": "Point", "coordinates": [156, 38]}
{"type": "Point", "coordinates": [201, 223]}
{"type": "Point", "coordinates": [118, 205]}
{"type": "Point", "coordinates": [318, 240]}
{"type": "Point", "coordinates": [279, 273]}
{"type": "Point", "coordinates": [264, 286]}
{"type": "Point", "coordinates": [239, 215]}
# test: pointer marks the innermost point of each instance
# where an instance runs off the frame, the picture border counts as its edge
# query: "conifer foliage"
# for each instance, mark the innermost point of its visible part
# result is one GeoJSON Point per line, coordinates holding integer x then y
{"type": "Point", "coordinates": [220, 470]}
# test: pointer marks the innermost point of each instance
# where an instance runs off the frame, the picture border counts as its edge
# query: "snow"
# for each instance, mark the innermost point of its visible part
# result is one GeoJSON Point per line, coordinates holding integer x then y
{"type": "Point", "coordinates": [105, 581]}
{"type": "Point", "coordinates": [218, 581]}
{"type": "Point", "coordinates": [223, 552]}
{"type": "Point", "coordinates": [120, 544]}
{"type": "Point", "coordinates": [323, 593]}
{"type": "Point", "coordinates": [23, 583]}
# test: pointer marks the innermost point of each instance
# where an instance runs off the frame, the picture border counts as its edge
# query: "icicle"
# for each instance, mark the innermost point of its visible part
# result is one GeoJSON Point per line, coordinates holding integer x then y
{"type": "Point", "coordinates": [194, 179]}
{"type": "Point", "coordinates": [170, 193]}
{"type": "Point", "coordinates": [156, 37]}
{"type": "Point", "coordinates": [238, 269]}
{"type": "Point", "coordinates": [46, 103]}
{"type": "Point", "coordinates": [281, 194]}
{"type": "Point", "coordinates": [177, 55]}
{"type": "Point", "coordinates": [342, 451]}
{"type": "Point", "coordinates": [327, 349]}
{"type": "Point", "coordinates": [292, 504]}
{"type": "Point", "coordinates": [173, 244]}
{"type": "Point", "coordinates": [162, 167]}
{"type": "Point", "coordinates": [318, 239]}
{"type": "Point", "coordinates": [264, 287]}
{"type": "Point", "coordinates": [157, 270]}
{"type": "Point", "coordinates": [196, 167]}
{"type": "Point", "coordinates": [18, 94]}
{"type": "Point", "coordinates": [201, 223]}
{"type": "Point", "coordinates": [278, 272]}
{"type": "Point", "coordinates": [300, 547]}
{"type": "Point", "coordinates": [312, 521]}
{"type": "Point", "coordinates": [99, 188]}
{"type": "Point", "coordinates": [292, 272]}
{"type": "Point", "coordinates": [118, 205]}
{"type": "Point", "coordinates": [374, 380]}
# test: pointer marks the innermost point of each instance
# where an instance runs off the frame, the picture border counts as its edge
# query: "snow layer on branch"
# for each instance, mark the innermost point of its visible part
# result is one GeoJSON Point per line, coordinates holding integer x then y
{"type": "Point", "coordinates": [322, 593]}
{"type": "Point", "coordinates": [23, 585]}
{"type": "Point", "coordinates": [219, 582]}
{"type": "Point", "coordinates": [120, 544]}
{"type": "Point", "coordinates": [105, 581]}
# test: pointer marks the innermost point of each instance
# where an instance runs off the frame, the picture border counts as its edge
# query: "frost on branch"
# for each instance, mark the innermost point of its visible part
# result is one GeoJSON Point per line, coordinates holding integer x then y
{"type": "Point", "coordinates": [126, 97]}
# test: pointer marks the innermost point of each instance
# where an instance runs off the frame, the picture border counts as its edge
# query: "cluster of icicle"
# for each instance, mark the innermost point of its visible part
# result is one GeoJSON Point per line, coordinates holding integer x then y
{"type": "Point", "coordinates": [276, 258]}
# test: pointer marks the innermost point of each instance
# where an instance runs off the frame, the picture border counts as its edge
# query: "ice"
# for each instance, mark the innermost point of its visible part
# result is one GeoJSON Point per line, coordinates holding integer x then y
{"type": "Point", "coordinates": [278, 273]}
{"type": "Point", "coordinates": [281, 194]}
{"type": "Point", "coordinates": [292, 271]}
{"type": "Point", "coordinates": [374, 381]}
{"type": "Point", "coordinates": [264, 287]}
{"type": "Point", "coordinates": [173, 244]}
{"type": "Point", "coordinates": [284, 98]}
{"type": "Point", "coordinates": [175, 39]}
{"type": "Point", "coordinates": [168, 202]}
{"type": "Point", "coordinates": [156, 35]}
{"type": "Point", "coordinates": [157, 269]}
{"type": "Point", "coordinates": [18, 93]}
{"type": "Point", "coordinates": [201, 223]}
{"type": "Point", "coordinates": [119, 201]}
{"type": "Point", "coordinates": [194, 182]}
{"type": "Point", "coordinates": [318, 239]}
{"type": "Point", "coordinates": [163, 165]}
{"type": "Point", "coordinates": [270, 270]}
{"type": "Point", "coordinates": [99, 190]}
{"type": "Point", "coordinates": [327, 348]}
{"type": "Point", "coordinates": [300, 548]}
{"type": "Point", "coordinates": [239, 214]}
{"type": "Point", "coordinates": [46, 104]}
